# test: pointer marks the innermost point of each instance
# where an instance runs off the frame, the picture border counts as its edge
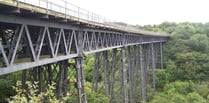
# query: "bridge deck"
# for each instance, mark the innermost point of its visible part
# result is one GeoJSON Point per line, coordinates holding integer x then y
{"type": "Point", "coordinates": [45, 9]}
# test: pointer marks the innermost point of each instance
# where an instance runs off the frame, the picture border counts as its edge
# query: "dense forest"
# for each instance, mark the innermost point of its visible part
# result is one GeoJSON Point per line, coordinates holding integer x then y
{"type": "Point", "coordinates": [184, 79]}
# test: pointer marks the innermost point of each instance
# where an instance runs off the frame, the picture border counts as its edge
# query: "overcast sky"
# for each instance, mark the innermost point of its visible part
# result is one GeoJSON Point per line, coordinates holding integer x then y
{"type": "Point", "coordinates": [144, 12]}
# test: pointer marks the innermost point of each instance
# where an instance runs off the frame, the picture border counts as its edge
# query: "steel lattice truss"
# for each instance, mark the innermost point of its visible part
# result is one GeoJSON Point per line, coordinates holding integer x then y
{"type": "Point", "coordinates": [46, 46]}
{"type": "Point", "coordinates": [28, 43]}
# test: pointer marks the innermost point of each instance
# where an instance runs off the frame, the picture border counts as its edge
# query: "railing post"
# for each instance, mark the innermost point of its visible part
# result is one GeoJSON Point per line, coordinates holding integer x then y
{"type": "Point", "coordinates": [65, 9]}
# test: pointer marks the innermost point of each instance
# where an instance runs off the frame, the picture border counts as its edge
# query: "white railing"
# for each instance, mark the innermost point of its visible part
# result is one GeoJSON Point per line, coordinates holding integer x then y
{"type": "Point", "coordinates": [72, 10]}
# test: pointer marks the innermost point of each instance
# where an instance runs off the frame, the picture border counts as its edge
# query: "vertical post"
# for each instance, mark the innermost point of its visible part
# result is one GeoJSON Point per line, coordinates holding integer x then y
{"type": "Point", "coordinates": [65, 9]}
{"type": "Point", "coordinates": [78, 13]}
{"type": "Point", "coordinates": [143, 86]}
{"type": "Point", "coordinates": [80, 80]}
{"type": "Point", "coordinates": [40, 78]}
{"type": "Point", "coordinates": [113, 74]}
{"type": "Point", "coordinates": [130, 62]}
{"type": "Point", "coordinates": [106, 74]}
{"type": "Point", "coordinates": [79, 69]}
{"type": "Point", "coordinates": [96, 72]}
{"type": "Point", "coordinates": [161, 54]}
{"type": "Point", "coordinates": [153, 68]}
{"type": "Point", "coordinates": [124, 72]}
{"type": "Point", "coordinates": [50, 75]}
{"type": "Point", "coordinates": [47, 7]}
{"type": "Point", "coordinates": [135, 73]}
{"type": "Point", "coordinates": [65, 78]}
{"type": "Point", "coordinates": [24, 75]}
{"type": "Point", "coordinates": [60, 79]}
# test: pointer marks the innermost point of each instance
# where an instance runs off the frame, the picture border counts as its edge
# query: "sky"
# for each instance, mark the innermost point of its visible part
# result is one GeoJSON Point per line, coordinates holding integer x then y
{"type": "Point", "coordinates": [144, 12]}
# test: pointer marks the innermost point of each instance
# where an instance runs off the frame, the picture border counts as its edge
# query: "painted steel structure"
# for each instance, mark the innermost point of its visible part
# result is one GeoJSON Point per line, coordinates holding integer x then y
{"type": "Point", "coordinates": [41, 44]}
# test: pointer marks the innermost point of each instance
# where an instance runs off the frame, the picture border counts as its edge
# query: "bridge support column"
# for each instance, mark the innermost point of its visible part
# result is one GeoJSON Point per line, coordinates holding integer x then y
{"type": "Point", "coordinates": [81, 87]}
{"type": "Point", "coordinates": [124, 75]}
{"type": "Point", "coordinates": [153, 67]}
{"type": "Point", "coordinates": [106, 73]}
{"type": "Point", "coordinates": [112, 79]}
{"type": "Point", "coordinates": [143, 75]}
{"type": "Point", "coordinates": [96, 71]}
{"type": "Point", "coordinates": [130, 72]}
{"type": "Point", "coordinates": [61, 85]}
{"type": "Point", "coordinates": [161, 54]}
{"type": "Point", "coordinates": [80, 80]}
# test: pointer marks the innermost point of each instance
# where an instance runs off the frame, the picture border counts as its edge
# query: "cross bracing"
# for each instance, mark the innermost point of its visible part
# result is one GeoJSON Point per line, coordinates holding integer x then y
{"type": "Point", "coordinates": [42, 42]}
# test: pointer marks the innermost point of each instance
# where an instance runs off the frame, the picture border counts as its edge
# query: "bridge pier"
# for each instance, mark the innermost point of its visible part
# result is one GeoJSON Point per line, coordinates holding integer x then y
{"type": "Point", "coordinates": [124, 75]}
{"type": "Point", "coordinates": [143, 74]}
{"type": "Point", "coordinates": [80, 80]}
{"type": "Point", "coordinates": [106, 73]}
{"type": "Point", "coordinates": [112, 75]}
{"type": "Point", "coordinates": [62, 78]}
{"type": "Point", "coordinates": [97, 64]}
{"type": "Point", "coordinates": [142, 56]}
{"type": "Point", "coordinates": [153, 67]}
{"type": "Point", "coordinates": [161, 54]}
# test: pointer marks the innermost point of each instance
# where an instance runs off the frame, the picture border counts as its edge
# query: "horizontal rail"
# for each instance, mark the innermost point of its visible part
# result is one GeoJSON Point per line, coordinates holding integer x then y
{"type": "Point", "coordinates": [76, 13]}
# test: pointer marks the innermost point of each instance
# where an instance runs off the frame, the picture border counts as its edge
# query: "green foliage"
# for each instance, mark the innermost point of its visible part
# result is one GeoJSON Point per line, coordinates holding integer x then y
{"type": "Point", "coordinates": [186, 59]}
{"type": "Point", "coordinates": [6, 83]}
{"type": "Point", "coordinates": [198, 42]}
{"type": "Point", "coordinates": [195, 98]}
{"type": "Point", "coordinates": [89, 67]}
{"type": "Point", "coordinates": [32, 95]}
{"type": "Point", "coordinates": [162, 78]}
{"type": "Point", "coordinates": [184, 31]}
{"type": "Point", "coordinates": [6, 89]}
{"type": "Point", "coordinates": [182, 92]}
{"type": "Point", "coordinates": [93, 97]}
{"type": "Point", "coordinates": [186, 53]}
{"type": "Point", "coordinates": [180, 87]}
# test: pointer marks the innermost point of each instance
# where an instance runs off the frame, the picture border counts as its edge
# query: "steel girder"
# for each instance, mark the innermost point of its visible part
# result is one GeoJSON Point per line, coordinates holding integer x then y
{"type": "Point", "coordinates": [28, 43]}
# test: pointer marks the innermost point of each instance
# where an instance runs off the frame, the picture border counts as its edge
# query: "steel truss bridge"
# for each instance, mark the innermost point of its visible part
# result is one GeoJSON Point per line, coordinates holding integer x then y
{"type": "Point", "coordinates": [42, 39]}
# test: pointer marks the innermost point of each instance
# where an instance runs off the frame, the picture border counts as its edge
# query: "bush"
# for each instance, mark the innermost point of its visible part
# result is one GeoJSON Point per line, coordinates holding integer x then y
{"type": "Point", "coordinates": [31, 94]}
{"type": "Point", "coordinates": [6, 90]}
{"type": "Point", "coordinates": [195, 98]}
{"type": "Point", "coordinates": [182, 92]}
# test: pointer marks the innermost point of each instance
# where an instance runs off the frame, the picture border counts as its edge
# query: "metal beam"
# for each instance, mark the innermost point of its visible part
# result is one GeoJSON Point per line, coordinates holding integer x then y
{"type": "Point", "coordinates": [80, 80]}
{"type": "Point", "coordinates": [161, 54]}
{"type": "Point", "coordinates": [130, 69]}
{"type": "Point", "coordinates": [153, 67]}
{"type": "Point", "coordinates": [106, 73]}
{"type": "Point", "coordinates": [112, 81]}
{"type": "Point", "coordinates": [27, 65]}
{"type": "Point", "coordinates": [143, 82]}
{"type": "Point", "coordinates": [124, 74]}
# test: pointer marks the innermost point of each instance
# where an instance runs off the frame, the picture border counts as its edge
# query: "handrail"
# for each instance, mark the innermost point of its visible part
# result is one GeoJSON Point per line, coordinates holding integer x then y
{"type": "Point", "coordinates": [72, 10]}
